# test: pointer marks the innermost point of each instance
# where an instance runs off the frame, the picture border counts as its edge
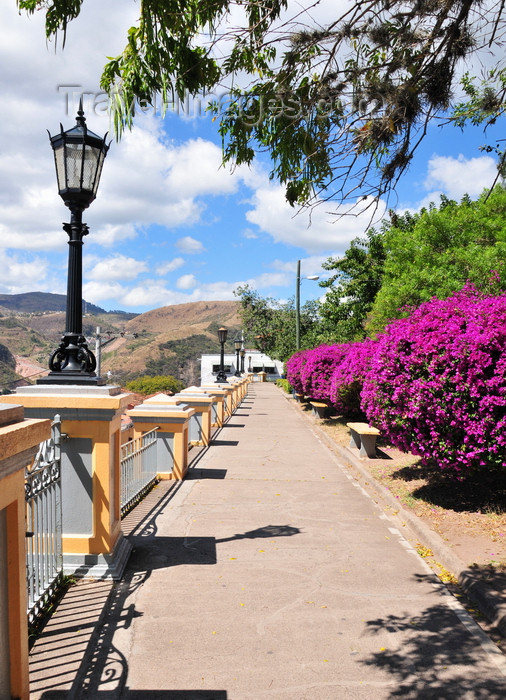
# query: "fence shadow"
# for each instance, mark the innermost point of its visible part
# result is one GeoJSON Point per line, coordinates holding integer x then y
{"type": "Point", "coordinates": [102, 671]}
{"type": "Point", "coordinates": [127, 694]}
{"type": "Point", "coordinates": [205, 473]}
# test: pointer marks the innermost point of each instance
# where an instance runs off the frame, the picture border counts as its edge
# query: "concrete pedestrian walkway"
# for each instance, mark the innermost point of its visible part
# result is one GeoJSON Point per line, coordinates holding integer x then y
{"type": "Point", "coordinates": [267, 573]}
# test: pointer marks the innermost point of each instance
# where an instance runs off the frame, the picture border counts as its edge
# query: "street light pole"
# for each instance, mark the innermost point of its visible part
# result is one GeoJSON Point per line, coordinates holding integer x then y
{"type": "Point", "coordinates": [297, 308]}
{"type": "Point", "coordinates": [222, 337]}
{"type": "Point", "coordinates": [297, 303]}
{"type": "Point", "coordinates": [79, 157]}
{"type": "Point", "coordinates": [237, 345]}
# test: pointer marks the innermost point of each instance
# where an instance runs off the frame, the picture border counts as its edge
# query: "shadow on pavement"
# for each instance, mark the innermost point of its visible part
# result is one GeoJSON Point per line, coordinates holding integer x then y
{"type": "Point", "coordinates": [435, 658]}
{"type": "Point", "coordinates": [103, 671]}
{"type": "Point", "coordinates": [145, 695]}
{"type": "Point", "coordinates": [198, 473]}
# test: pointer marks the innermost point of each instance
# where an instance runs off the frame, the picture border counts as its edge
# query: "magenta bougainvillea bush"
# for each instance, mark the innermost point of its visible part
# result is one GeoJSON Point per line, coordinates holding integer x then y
{"type": "Point", "coordinates": [437, 382]}
{"type": "Point", "coordinates": [348, 377]}
{"type": "Point", "coordinates": [293, 369]}
{"type": "Point", "coordinates": [434, 383]}
{"type": "Point", "coordinates": [318, 368]}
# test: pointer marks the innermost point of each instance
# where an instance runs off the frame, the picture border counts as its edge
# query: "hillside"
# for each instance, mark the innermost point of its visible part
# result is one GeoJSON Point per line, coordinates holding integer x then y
{"type": "Point", "coordinates": [7, 366]}
{"type": "Point", "coordinates": [168, 340]}
{"type": "Point", "coordinates": [35, 302]}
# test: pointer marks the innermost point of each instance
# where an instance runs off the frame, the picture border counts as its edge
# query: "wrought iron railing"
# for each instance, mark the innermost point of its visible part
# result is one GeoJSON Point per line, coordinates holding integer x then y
{"type": "Point", "coordinates": [138, 469]}
{"type": "Point", "coordinates": [44, 568]}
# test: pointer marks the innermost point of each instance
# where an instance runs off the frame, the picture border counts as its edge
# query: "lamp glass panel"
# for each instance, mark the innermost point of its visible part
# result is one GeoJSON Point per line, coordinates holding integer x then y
{"type": "Point", "coordinates": [74, 159]}
{"type": "Point", "coordinates": [59, 159]}
{"type": "Point", "coordinates": [101, 157]}
{"type": "Point", "coordinates": [90, 162]}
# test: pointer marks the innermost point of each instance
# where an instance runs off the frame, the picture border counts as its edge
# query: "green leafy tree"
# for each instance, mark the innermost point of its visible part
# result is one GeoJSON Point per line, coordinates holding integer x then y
{"type": "Point", "coordinates": [151, 385]}
{"type": "Point", "coordinates": [484, 105]}
{"type": "Point", "coordinates": [352, 288]}
{"type": "Point", "coordinates": [340, 107]}
{"type": "Point", "coordinates": [435, 252]}
{"type": "Point", "coordinates": [271, 324]}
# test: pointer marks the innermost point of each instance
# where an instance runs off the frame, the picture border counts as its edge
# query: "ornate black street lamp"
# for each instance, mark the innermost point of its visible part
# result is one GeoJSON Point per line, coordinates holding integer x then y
{"type": "Point", "coordinates": [79, 156]}
{"type": "Point", "coordinates": [243, 353]}
{"type": "Point", "coordinates": [237, 346]}
{"type": "Point", "coordinates": [222, 337]}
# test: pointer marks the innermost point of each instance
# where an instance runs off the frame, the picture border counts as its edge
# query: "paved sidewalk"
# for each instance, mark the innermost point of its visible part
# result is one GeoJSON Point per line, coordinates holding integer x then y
{"type": "Point", "coordinates": [268, 573]}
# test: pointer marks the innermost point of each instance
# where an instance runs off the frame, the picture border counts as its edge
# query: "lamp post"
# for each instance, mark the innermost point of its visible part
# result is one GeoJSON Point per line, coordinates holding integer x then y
{"type": "Point", "coordinates": [243, 354]}
{"type": "Point", "coordinates": [222, 337]}
{"type": "Point", "coordinates": [237, 346]}
{"type": "Point", "coordinates": [79, 157]}
{"type": "Point", "coordinates": [297, 304]}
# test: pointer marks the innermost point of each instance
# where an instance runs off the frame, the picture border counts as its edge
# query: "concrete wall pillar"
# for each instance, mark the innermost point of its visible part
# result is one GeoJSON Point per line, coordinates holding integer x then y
{"type": "Point", "coordinates": [19, 442]}
{"type": "Point", "coordinates": [172, 419]}
{"type": "Point", "coordinates": [229, 394]}
{"type": "Point", "coordinates": [201, 434]}
{"type": "Point", "coordinates": [93, 544]}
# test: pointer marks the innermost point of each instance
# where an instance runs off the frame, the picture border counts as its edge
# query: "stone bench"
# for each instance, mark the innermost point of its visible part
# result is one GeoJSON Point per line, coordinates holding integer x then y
{"type": "Point", "coordinates": [319, 409]}
{"type": "Point", "coordinates": [363, 436]}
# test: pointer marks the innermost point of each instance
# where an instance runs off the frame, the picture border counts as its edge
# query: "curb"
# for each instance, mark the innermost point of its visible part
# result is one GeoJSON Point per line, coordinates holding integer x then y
{"type": "Point", "coordinates": [489, 601]}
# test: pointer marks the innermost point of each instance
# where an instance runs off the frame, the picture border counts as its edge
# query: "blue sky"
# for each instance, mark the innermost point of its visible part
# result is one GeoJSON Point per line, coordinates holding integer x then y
{"type": "Point", "coordinates": [169, 224]}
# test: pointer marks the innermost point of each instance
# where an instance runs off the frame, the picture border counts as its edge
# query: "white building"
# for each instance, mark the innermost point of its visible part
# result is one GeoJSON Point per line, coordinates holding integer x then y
{"type": "Point", "coordinates": [254, 361]}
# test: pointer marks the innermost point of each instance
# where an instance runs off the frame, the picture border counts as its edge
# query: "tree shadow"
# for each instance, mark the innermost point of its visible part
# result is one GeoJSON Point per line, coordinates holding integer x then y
{"type": "Point", "coordinates": [437, 658]}
{"type": "Point", "coordinates": [484, 492]}
{"type": "Point", "coordinates": [486, 583]}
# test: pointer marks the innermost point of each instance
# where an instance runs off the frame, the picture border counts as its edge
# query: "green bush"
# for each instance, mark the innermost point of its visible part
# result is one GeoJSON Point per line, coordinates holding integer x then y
{"type": "Point", "coordinates": [151, 385]}
{"type": "Point", "coordinates": [285, 385]}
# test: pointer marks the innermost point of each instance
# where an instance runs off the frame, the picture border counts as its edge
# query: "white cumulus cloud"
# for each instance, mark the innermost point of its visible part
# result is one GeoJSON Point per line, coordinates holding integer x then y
{"type": "Point", "coordinates": [19, 276]}
{"type": "Point", "coordinates": [169, 266]}
{"type": "Point", "coordinates": [118, 267]}
{"type": "Point", "coordinates": [186, 282]}
{"type": "Point", "coordinates": [189, 245]}
{"type": "Point", "coordinates": [459, 176]}
{"type": "Point", "coordinates": [315, 231]}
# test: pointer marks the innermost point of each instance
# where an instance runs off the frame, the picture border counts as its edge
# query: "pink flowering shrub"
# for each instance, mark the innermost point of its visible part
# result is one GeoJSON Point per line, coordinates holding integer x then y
{"type": "Point", "coordinates": [293, 369]}
{"type": "Point", "coordinates": [437, 382]}
{"type": "Point", "coordinates": [318, 369]}
{"type": "Point", "coordinates": [348, 377]}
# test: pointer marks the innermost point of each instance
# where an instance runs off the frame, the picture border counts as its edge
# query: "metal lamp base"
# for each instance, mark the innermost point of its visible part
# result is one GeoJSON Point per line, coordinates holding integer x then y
{"type": "Point", "coordinates": [72, 363]}
{"type": "Point", "coordinates": [72, 378]}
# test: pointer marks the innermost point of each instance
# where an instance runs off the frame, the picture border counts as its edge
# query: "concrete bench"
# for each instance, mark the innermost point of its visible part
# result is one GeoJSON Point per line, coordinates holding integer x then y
{"type": "Point", "coordinates": [363, 436]}
{"type": "Point", "coordinates": [319, 409]}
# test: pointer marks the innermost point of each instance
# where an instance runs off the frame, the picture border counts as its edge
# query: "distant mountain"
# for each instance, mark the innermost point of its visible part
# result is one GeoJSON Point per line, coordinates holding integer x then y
{"type": "Point", "coordinates": [171, 339]}
{"type": "Point", "coordinates": [168, 340]}
{"type": "Point", "coordinates": [37, 302]}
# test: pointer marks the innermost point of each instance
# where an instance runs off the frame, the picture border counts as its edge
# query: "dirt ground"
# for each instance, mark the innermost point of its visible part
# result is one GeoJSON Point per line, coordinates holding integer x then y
{"type": "Point", "coordinates": [470, 517]}
{"type": "Point", "coordinates": [27, 368]}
